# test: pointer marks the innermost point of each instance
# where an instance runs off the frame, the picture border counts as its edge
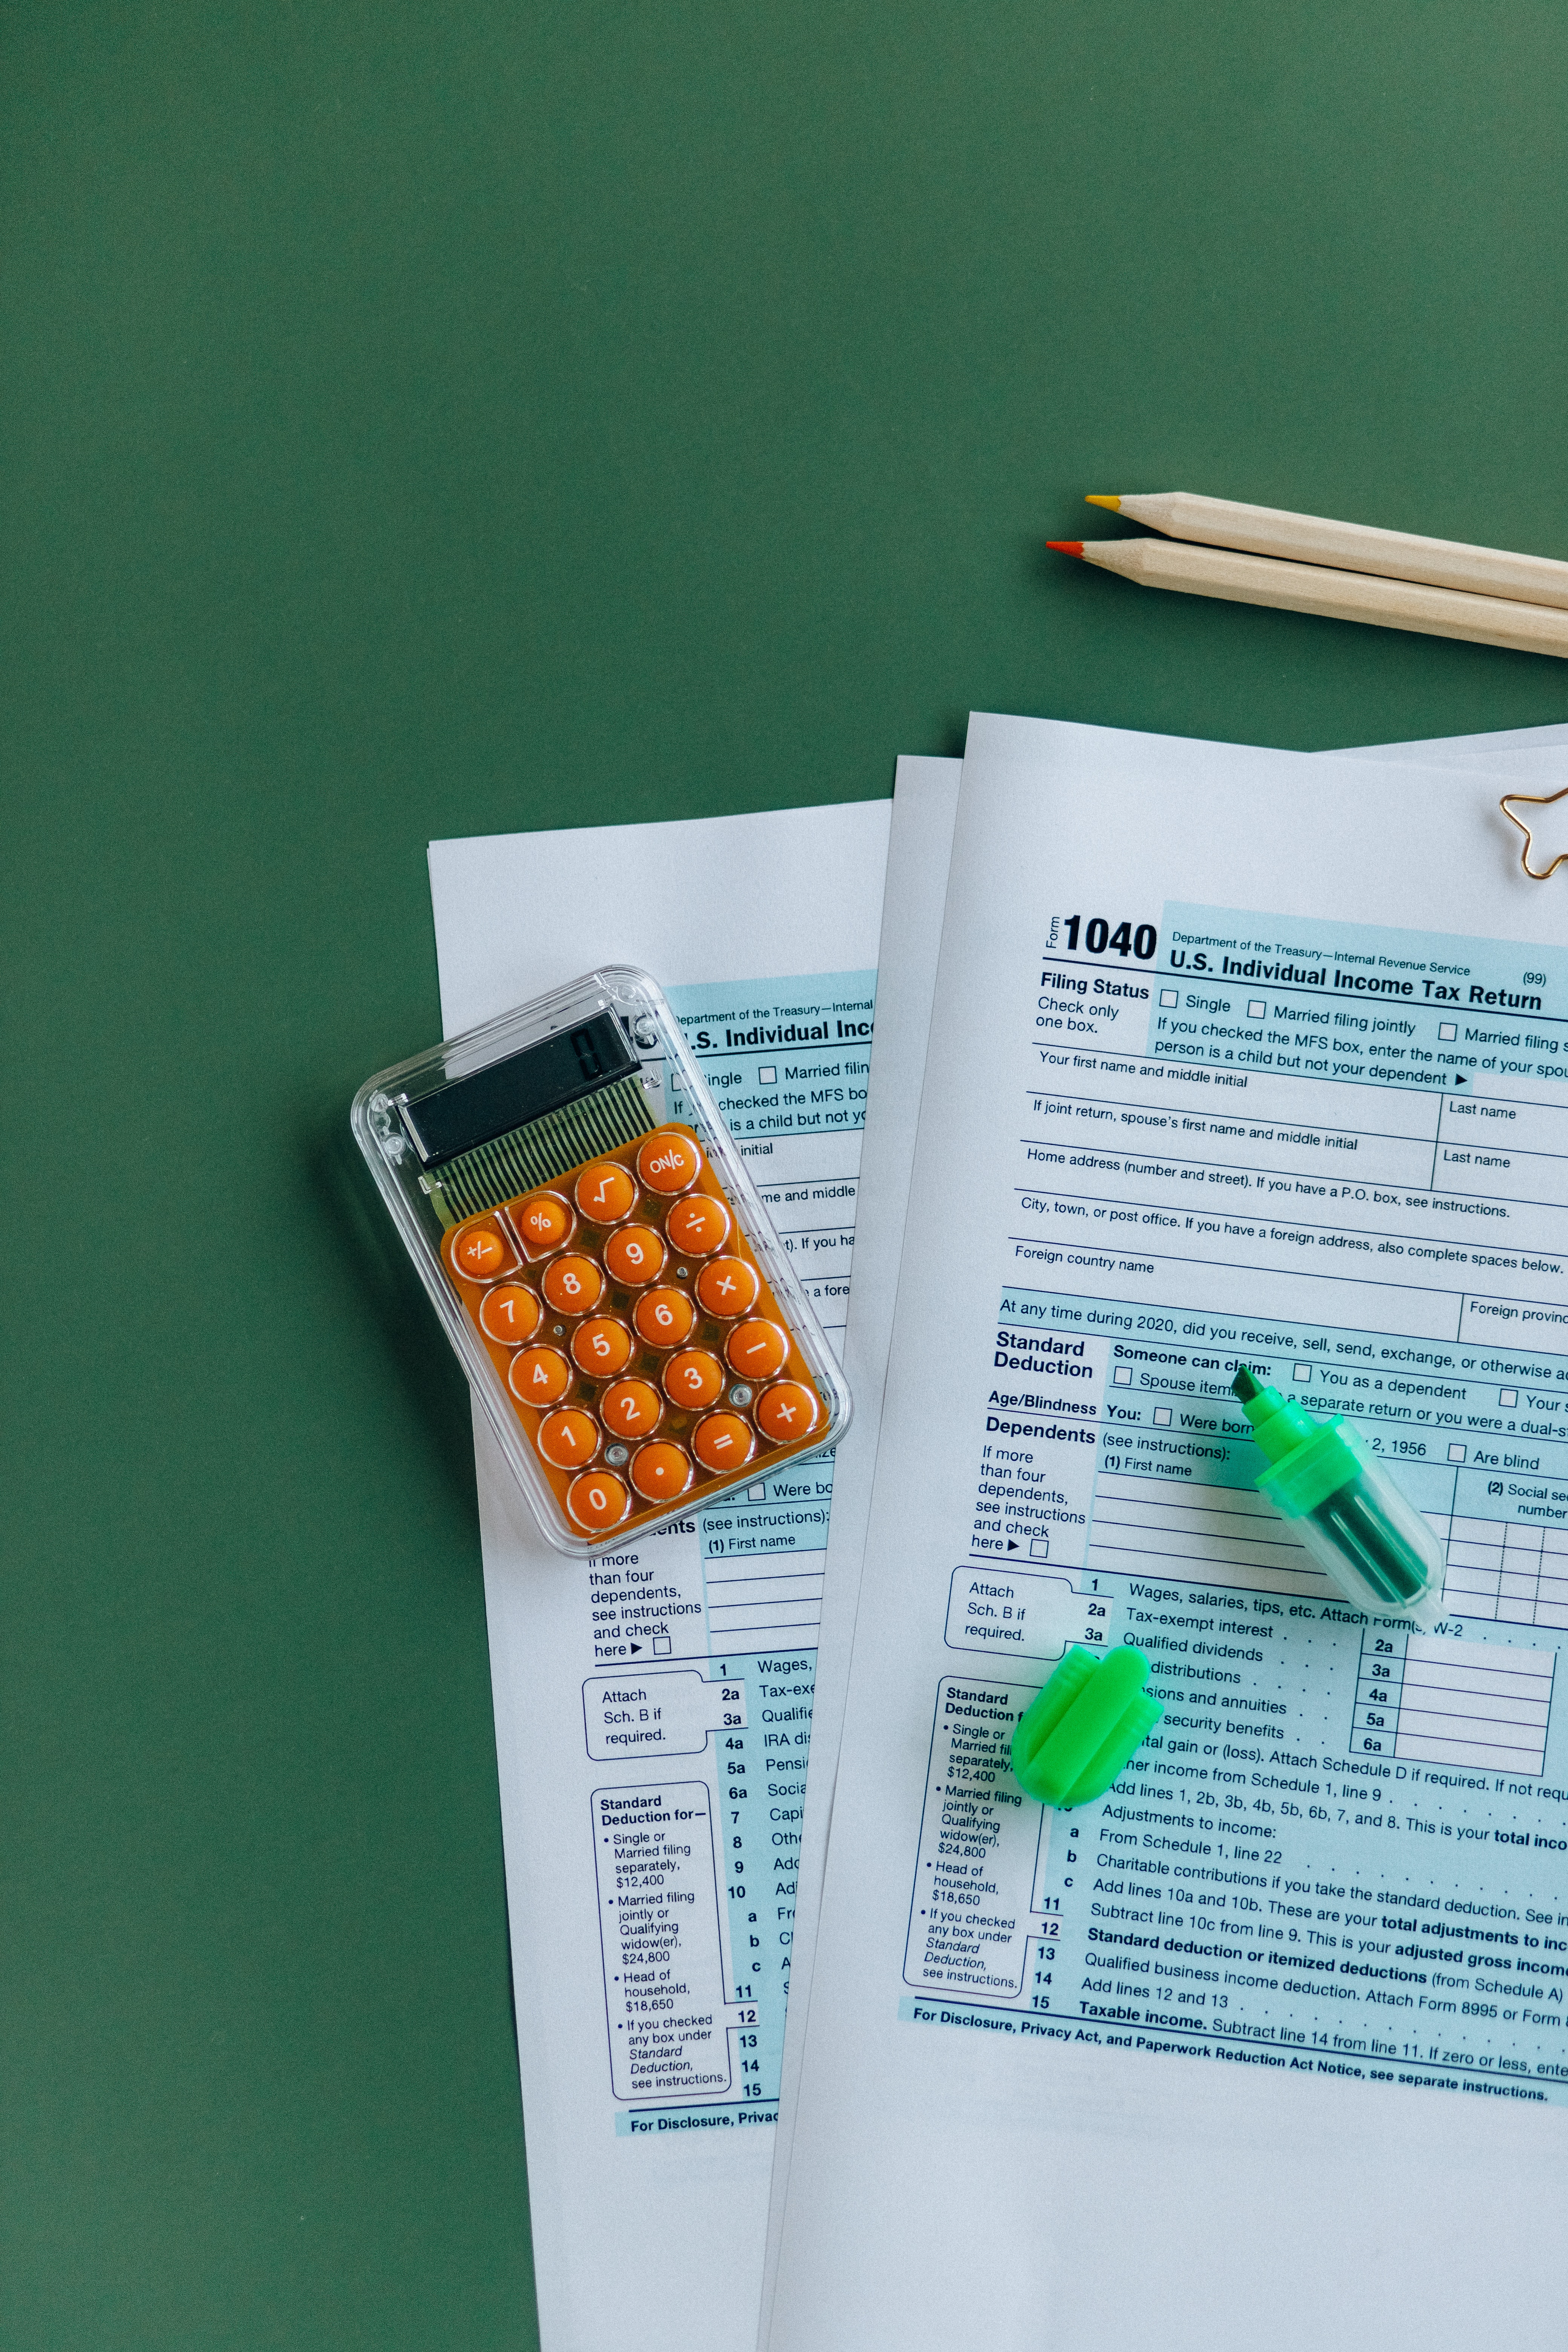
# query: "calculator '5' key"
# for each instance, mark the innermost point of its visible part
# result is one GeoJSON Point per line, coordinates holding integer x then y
{"type": "Point", "coordinates": [602, 1347]}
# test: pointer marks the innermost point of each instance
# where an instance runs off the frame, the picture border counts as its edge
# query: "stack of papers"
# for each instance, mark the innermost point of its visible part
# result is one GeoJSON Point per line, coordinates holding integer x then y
{"type": "Point", "coordinates": [1101, 1058]}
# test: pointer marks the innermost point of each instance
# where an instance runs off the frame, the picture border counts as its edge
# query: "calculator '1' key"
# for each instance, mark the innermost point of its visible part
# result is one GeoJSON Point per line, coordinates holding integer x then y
{"type": "Point", "coordinates": [568, 1438]}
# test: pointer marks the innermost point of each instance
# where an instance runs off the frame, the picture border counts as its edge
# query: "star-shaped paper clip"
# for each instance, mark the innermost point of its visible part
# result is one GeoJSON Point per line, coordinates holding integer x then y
{"type": "Point", "coordinates": [1508, 802]}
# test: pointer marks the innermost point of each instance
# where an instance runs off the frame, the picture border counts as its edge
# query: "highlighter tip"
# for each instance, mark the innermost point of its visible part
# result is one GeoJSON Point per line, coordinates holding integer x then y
{"type": "Point", "coordinates": [1244, 1386]}
{"type": "Point", "coordinates": [1066, 546]}
{"type": "Point", "coordinates": [1113, 504]}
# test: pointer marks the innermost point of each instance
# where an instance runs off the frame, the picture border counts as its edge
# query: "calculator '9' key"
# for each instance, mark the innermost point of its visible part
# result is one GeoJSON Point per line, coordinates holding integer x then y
{"type": "Point", "coordinates": [633, 1255]}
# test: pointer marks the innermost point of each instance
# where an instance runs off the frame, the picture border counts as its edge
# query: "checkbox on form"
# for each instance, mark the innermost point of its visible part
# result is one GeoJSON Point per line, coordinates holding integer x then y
{"type": "Point", "coordinates": [1255, 1008]}
{"type": "Point", "coordinates": [1162, 1416]}
{"type": "Point", "coordinates": [1456, 1453]}
{"type": "Point", "coordinates": [1122, 1378]}
{"type": "Point", "coordinates": [1301, 1373]}
{"type": "Point", "coordinates": [1508, 1396]}
{"type": "Point", "coordinates": [1447, 1030]}
{"type": "Point", "coordinates": [1167, 996]}
{"type": "Point", "coordinates": [767, 1075]}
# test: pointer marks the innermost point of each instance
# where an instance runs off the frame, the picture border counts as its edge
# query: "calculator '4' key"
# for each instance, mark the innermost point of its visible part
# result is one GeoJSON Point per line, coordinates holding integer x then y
{"type": "Point", "coordinates": [539, 1376]}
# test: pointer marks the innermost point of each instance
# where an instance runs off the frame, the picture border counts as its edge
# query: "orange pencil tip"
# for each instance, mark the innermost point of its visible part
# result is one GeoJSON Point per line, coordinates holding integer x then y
{"type": "Point", "coordinates": [1092, 501]}
{"type": "Point", "coordinates": [1066, 546]}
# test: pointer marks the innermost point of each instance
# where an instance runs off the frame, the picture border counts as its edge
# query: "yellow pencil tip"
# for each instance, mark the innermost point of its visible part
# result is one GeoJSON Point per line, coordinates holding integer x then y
{"type": "Point", "coordinates": [1114, 504]}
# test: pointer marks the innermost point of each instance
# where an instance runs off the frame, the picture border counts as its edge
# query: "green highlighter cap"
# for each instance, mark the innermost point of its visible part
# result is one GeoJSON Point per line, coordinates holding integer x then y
{"type": "Point", "coordinates": [1091, 1716]}
{"type": "Point", "coordinates": [1373, 1543]}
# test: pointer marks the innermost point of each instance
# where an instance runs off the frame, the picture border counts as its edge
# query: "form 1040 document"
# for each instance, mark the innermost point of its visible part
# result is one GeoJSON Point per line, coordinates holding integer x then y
{"type": "Point", "coordinates": [1284, 1089]}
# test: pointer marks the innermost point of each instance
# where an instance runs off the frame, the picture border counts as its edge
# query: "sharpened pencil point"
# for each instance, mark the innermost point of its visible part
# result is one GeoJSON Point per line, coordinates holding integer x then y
{"type": "Point", "coordinates": [1066, 546]}
{"type": "Point", "coordinates": [1114, 504]}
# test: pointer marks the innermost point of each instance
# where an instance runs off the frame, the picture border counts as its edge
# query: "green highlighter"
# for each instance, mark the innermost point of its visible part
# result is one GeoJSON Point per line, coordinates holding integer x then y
{"type": "Point", "coordinates": [1374, 1546]}
{"type": "Point", "coordinates": [1075, 1738]}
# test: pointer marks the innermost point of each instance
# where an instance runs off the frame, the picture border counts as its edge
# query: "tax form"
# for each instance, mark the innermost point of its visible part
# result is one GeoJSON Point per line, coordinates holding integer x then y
{"type": "Point", "coordinates": [1028, 1992]}
{"type": "Point", "coordinates": [651, 1894]}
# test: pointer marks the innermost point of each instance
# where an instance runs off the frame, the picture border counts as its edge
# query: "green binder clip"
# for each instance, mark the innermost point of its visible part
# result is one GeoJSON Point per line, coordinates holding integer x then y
{"type": "Point", "coordinates": [1092, 1715]}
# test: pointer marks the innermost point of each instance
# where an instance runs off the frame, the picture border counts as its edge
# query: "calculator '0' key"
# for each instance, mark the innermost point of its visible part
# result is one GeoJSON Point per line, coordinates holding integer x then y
{"type": "Point", "coordinates": [605, 1193]}
{"type": "Point", "coordinates": [509, 1313]}
{"type": "Point", "coordinates": [728, 1286]}
{"type": "Point", "coordinates": [596, 1500]}
{"type": "Point", "coordinates": [669, 1161]}
{"type": "Point", "coordinates": [664, 1318]}
{"type": "Point", "coordinates": [693, 1379]}
{"type": "Point", "coordinates": [722, 1441]}
{"type": "Point", "coordinates": [633, 1255]}
{"type": "Point", "coordinates": [757, 1351]}
{"type": "Point", "coordinates": [572, 1284]}
{"type": "Point", "coordinates": [787, 1411]}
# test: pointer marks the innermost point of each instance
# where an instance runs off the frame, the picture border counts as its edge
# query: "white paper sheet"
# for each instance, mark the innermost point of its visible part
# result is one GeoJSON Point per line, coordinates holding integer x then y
{"type": "Point", "coordinates": [1526, 759]}
{"type": "Point", "coordinates": [649, 2213]}
{"type": "Point", "coordinates": [836, 2174]}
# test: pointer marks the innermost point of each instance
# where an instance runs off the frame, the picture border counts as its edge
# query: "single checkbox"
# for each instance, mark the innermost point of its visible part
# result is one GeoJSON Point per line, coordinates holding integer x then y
{"type": "Point", "coordinates": [1456, 1453]}
{"type": "Point", "coordinates": [1302, 1372]}
{"type": "Point", "coordinates": [1508, 1396]}
{"type": "Point", "coordinates": [1447, 1030]}
{"type": "Point", "coordinates": [757, 1494]}
{"type": "Point", "coordinates": [767, 1074]}
{"type": "Point", "coordinates": [1255, 1008]}
{"type": "Point", "coordinates": [1167, 996]}
{"type": "Point", "coordinates": [1162, 1416]}
{"type": "Point", "coordinates": [1122, 1378]}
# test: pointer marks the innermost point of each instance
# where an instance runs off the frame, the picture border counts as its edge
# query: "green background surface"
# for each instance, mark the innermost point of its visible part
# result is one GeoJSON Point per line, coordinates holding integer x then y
{"type": "Point", "coordinates": [418, 422]}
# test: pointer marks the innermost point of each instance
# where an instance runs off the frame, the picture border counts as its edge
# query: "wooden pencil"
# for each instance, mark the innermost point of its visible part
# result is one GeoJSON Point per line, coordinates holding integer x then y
{"type": "Point", "coordinates": [1347, 546]}
{"type": "Point", "coordinates": [1338, 595]}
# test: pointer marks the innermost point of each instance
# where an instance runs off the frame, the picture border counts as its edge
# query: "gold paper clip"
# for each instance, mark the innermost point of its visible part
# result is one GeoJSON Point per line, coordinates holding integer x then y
{"type": "Point", "coordinates": [1533, 799]}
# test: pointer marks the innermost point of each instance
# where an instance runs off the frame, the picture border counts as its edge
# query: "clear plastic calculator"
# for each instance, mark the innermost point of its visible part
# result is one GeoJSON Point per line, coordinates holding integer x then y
{"type": "Point", "coordinates": [611, 1281]}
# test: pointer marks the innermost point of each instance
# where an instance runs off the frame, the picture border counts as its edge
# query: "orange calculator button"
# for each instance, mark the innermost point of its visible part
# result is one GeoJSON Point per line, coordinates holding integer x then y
{"type": "Point", "coordinates": [633, 1256]}
{"type": "Point", "coordinates": [693, 1379]}
{"type": "Point", "coordinates": [539, 1376]}
{"type": "Point", "coordinates": [597, 1501]}
{"type": "Point", "coordinates": [722, 1441]}
{"type": "Point", "coordinates": [785, 1412]}
{"type": "Point", "coordinates": [481, 1255]}
{"type": "Point", "coordinates": [670, 1162]}
{"type": "Point", "coordinates": [659, 1472]}
{"type": "Point", "coordinates": [698, 1225]}
{"type": "Point", "coordinates": [728, 1286]}
{"type": "Point", "coordinates": [756, 1350]}
{"type": "Point", "coordinates": [664, 1318]}
{"type": "Point", "coordinates": [631, 1408]}
{"type": "Point", "coordinates": [572, 1284]}
{"type": "Point", "coordinates": [544, 1221]}
{"type": "Point", "coordinates": [604, 1193]}
{"type": "Point", "coordinates": [601, 1347]}
{"type": "Point", "coordinates": [509, 1313]}
{"type": "Point", "coordinates": [568, 1438]}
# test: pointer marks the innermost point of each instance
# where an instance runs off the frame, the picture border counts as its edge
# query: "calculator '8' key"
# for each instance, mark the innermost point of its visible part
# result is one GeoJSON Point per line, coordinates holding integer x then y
{"type": "Point", "coordinates": [572, 1284]}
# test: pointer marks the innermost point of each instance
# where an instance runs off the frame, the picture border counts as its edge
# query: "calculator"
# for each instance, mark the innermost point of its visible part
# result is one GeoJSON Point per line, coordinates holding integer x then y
{"type": "Point", "coordinates": [608, 1276]}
